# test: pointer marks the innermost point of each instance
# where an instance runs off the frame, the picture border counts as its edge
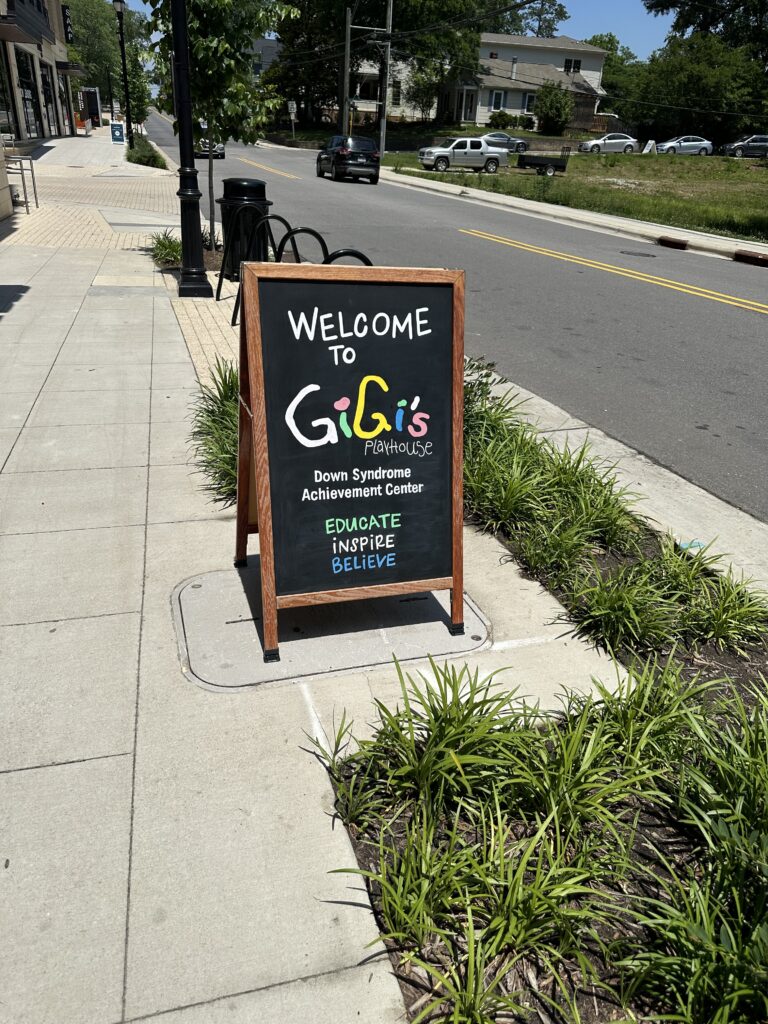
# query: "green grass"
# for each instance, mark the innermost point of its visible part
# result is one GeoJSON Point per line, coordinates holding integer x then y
{"type": "Point", "coordinates": [144, 152]}
{"type": "Point", "coordinates": [509, 857]}
{"type": "Point", "coordinates": [714, 194]}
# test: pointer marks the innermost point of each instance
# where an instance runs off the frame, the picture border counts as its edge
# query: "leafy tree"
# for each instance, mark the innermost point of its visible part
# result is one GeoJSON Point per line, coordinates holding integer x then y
{"type": "Point", "coordinates": [699, 85]}
{"type": "Point", "coordinates": [438, 39]}
{"type": "Point", "coordinates": [543, 17]}
{"type": "Point", "coordinates": [421, 91]}
{"type": "Point", "coordinates": [138, 83]}
{"type": "Point", "coordinates": [622, 75]}
{"type": "Point", "coordinates": [739, 23]}
{"type": "Point", "coordinates": [554, 108]}
{"type": "Point", "coordinates": [96, 46]}
{"type": "Point", "coordinates": [225, 95]}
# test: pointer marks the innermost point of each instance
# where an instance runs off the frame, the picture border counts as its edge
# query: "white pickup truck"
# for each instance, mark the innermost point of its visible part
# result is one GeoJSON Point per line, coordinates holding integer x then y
{"type": "Point", "coordinates": [465, 152]}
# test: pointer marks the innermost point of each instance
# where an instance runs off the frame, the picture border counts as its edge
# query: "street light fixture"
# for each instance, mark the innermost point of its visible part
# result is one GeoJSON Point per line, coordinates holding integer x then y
{"type": "Point", "coordinates": [193, 281]}
{"type": "Point", "coordinates": [119, 6]}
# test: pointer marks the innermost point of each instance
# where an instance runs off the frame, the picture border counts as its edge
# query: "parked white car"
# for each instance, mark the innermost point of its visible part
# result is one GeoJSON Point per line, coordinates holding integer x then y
{"type": "Point", "coordinates": [686, 145]}
{"type": "Point", "coordinates": [466, 152]}
{"type": "Point", "coordinates": [614, 142]}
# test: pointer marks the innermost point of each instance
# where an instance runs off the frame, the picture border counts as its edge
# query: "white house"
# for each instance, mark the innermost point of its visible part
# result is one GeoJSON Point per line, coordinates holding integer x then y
{"type": "Point", "coordinates": [513, 68]}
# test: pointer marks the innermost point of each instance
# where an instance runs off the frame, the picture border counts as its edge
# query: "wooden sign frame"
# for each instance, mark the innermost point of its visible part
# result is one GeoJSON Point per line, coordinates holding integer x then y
{"type": "Point", "coordinates": [254, 501]}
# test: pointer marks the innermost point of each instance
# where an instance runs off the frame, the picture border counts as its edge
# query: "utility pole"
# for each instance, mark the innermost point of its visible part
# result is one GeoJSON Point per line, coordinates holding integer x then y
{"type": "Point", "coordinates": [385, 82]}
{"type": "Point", "coordinates": [347, 60]}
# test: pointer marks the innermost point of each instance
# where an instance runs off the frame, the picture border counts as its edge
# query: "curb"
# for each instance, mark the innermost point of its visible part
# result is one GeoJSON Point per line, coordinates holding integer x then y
{"type": "Point", "coordinates": [696, 241]}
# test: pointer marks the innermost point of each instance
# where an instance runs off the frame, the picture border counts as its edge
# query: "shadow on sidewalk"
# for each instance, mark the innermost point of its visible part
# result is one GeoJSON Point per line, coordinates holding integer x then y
{"type": "Point", "coordinates": [9, 295]}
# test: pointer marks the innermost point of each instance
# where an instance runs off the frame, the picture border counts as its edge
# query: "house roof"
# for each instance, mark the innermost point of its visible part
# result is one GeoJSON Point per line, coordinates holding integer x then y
{"type": "Point", "coordinates": [542, 42]}
{"type": "Point", "coordinates": [498, 74]}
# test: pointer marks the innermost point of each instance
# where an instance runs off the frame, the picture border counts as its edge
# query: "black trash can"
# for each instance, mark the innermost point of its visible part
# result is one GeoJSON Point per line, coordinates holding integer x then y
{"type": "Point", "coordinates": [250, 193]}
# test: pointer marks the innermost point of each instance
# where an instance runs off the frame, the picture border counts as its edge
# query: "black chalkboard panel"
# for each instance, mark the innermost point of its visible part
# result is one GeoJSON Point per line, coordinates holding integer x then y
{"type": "Point", "coordinates": [358, 385]}
{"type": "Point", "coordinates": [350, 434]}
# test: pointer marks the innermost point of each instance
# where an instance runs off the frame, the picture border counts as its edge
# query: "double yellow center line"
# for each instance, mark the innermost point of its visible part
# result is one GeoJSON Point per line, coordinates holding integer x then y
{"type": "Point", "coordinates": [634, 275]}
{"type": "Point", "coordinates": [272, 170]}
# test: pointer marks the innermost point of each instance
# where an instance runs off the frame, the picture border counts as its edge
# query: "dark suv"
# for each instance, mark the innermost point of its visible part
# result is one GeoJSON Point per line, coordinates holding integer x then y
{"type": "Point", "coordinates": [748, 145]}
{"type": "Point", "coordinates": [349, 156]}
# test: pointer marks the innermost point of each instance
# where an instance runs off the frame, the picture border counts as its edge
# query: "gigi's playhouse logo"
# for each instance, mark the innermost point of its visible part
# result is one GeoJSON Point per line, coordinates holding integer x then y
{"type": "Point", "coordinates": [372, 414]}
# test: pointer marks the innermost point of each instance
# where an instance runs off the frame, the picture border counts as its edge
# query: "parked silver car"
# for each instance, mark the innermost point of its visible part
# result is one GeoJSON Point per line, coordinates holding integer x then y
{"type": "Point", "coordinates": [614, 142]}
{"type": "Point", "coordinates": [473, 153]}
{"type": "Point", "coordinates": [502, 140]}
{"type": "Point", "coordinates": [686, 145]}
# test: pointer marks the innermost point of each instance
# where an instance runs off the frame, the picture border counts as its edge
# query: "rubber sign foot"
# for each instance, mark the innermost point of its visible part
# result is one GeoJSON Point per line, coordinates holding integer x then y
{"type": "Point", "coordinates": [272, 655]}
{"type": "Point", "coordinates": [456, 629]}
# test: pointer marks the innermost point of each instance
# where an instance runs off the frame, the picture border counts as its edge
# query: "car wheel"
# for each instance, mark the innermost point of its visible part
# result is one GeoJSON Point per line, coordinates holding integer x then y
{"type": "Point", "coordinates": [670, 149]}
{"type": "Point", "coordinates": [521, 147]}
{"type": "Point", "coordinates": [738, 151]}
{"type": "Point", "coordinates": [335, 176]}
{"type": "Point", "coordinates": [374, 179]}
{"type": "Point", "coordinates": [703, 151]}
{"type": "Point", "coordinates": [594, 149]}
{"type": "Point", "coordinates": [549, 170]}
{"type": "Point", "coordinates": [629, 148]}
{"type": "Point", "coordinates": [442, 164]}
{"type": "Point", "coordinates": [491, 166]}
{"type": "Point", "coordinates": [319, 170]}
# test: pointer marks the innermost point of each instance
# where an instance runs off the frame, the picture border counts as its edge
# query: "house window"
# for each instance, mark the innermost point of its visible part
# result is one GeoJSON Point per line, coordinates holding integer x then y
{"type": "Point", "coordinates": [572, 66]}
{"type": "Point", "coordinates": [529, 102]}
{"type": "Point", "coordinates": [497, 99]}
{"type": "Point", "coordinates": [397, 93]}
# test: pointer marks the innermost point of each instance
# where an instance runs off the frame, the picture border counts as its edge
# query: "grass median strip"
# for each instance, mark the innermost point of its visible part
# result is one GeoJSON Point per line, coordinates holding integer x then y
{"type": "Point", "coordinates": [713, 194]}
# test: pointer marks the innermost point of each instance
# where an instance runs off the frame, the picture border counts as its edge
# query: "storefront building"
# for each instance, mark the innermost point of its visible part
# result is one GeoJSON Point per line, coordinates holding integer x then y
{"type": "Point", "coordinates": [35, 95]}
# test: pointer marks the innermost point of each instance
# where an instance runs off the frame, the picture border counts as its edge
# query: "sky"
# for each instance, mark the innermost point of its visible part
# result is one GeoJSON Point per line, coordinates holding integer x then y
{"type": "Point", "coordinates": [627, 19]}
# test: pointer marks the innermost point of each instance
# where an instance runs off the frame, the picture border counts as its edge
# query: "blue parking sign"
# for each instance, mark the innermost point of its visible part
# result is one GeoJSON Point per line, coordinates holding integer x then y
{"type": "Point", "coordinates": [118, 132]}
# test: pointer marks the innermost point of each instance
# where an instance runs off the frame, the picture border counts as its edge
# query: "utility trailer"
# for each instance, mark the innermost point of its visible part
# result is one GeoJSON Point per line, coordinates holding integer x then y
{"type": "Point", "coordinates": [545, 164]}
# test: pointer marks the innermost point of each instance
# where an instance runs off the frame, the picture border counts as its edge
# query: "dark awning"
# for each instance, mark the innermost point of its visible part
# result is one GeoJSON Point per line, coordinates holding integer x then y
{"type": "Point", "coordinates": [10, 31]}
{"type": "Point", "coordinates": [66, 67]}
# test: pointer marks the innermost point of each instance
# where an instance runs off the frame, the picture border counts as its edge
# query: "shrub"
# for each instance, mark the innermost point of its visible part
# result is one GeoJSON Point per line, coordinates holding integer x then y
{"type": "Point", "coordinates": [499, 119]}
{"type": "Point", "coordinates": [554, 108]}
{"type": "Point", "coordinates": [144, 152]}
{"type": "Point", "coordinates": [527, 122]}
{"type": "Point", "coordinates": [166, 249]}
{"type": "Point", "coordinates": [214, 432]}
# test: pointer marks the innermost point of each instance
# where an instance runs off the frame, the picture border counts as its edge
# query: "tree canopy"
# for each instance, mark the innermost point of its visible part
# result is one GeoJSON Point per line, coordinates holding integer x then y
{"type": "Point", "coordinates": [96, 46]}
{"type": "Point", "coordinates": [226, 98]}
{"type": "Point", "coordinates": [739, 23]}
{"type": "Point", "coordinates": [438, 39]}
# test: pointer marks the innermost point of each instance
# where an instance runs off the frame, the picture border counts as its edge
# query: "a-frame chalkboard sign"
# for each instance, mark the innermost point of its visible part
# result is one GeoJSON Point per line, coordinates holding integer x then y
{"type": "Point", "coordinates": [351, 417]}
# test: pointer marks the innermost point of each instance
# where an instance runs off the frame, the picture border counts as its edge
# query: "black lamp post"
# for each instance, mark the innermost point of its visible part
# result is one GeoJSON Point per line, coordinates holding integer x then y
{"type": "Point", "coordinates": [193, 282]}
{"type": "Point", "coordinates": [119, 6]}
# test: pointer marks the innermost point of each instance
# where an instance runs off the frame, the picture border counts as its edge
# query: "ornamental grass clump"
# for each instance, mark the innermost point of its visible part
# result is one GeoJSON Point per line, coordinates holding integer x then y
{"type": "Point", "coordinates": [607, 860]}
{"type": "Point", "coordinates": [214, 432]}
{"type": "Point", "coordinates": [570, 522]}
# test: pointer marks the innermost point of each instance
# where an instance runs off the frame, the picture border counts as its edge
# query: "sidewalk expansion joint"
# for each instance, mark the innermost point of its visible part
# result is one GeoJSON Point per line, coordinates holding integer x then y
{"type": "Point", "coordinates": [71, 618]}
{"type": "Point", "coordinates": [64, 764]}
{"type": "Point", "coordinates": [260, 988]}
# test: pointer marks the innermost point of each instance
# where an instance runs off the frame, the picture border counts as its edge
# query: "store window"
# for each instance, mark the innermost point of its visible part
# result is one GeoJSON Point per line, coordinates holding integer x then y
{"type": "Point", "coordinates": [8, 124]}
{"type": "Point", "coordinates": [46, 78]}
{"type": "Point", "coordinates": [30, 103]}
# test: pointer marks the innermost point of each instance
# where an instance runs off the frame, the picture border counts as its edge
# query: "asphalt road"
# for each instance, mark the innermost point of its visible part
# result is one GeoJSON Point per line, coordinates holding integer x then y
{"type": "Point", "coordinates": [620, 333]}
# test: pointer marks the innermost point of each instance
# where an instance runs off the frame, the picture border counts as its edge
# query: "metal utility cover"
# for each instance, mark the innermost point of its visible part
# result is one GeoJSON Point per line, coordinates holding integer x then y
{"type": "Point", "coordinates": [219, 630]}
